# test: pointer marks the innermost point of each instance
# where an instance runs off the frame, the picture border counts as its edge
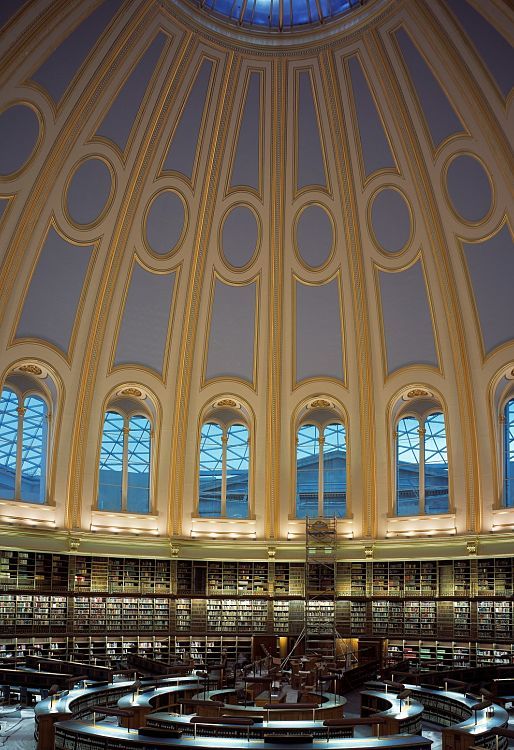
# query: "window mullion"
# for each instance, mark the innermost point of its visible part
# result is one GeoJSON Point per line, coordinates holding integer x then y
{"type": "Point", "coordinates": [19, 452]}
{"type": "Point", "coordinates": [224, 441]}
{"type": "Point", "coordinates": [124, 471]}
{"type": "Point", "coordinates": [421, 433]}
{"type": "Point", "coordinates": [321, 443]}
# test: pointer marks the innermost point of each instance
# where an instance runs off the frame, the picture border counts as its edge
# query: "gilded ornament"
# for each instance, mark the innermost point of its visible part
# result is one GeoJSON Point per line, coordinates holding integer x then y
{"type": "Point", "coordinates": [418, 393]}
{"type": "Point", "coordinates": [227, 402]}
{"type": "Point", "coordinates": [32, 369]}
{"type": "Point", "coordinates": [320, 403]}
{"type": "Point", "coordinates": [136, 392]}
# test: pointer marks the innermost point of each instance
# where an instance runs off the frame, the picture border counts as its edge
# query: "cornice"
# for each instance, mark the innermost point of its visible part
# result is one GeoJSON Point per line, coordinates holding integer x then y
{"type": "Point", "coordinates": [124, 545]}
{"type": "Point", "coordinates": [297, 42]}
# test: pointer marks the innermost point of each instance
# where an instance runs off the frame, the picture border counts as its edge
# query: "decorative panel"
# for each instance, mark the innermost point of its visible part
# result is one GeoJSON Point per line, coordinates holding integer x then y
{"type": "Point", "coordinates": [407, 322]}
{"type": "Point", "coordinates": [183, 147]}
{"type": "Point", "coordinates": [58, 70]}
{"type": "Point", "coordinates": [314, 236]}
{"type": "Point", "coordinates": [491, 269]}
{"type": "Point", "coordinates": [146, 318]}
{"type": "Point", "coordinates": [52, 299]}
{"type": "Point", "coordinates": [376, 153]}
{"type": "Point", "coordinates": [231, 341]}
{"type": "Point", "coordinates": [118, 121]}
{"type": "Point", "coordinates": [469, 188]}
{"type": "Point", "coordinates": [437, 110]}
{"type": "Point", "coordinates": [309, 153]}
{"type": "Point", "coordinates": [492, 47]}
{"type": "Point", "coordinates": [19, 130]}
{"type": "Point", "coordinates": [318, 331]}
{"type": "Point", "coordinates": [164, 223]}
{"type": "Point", "coordinates": [239, 236]}
{"type": "Point", "coordinates": [89, 191]}
{"type": "Point", "coordinates": [246, 165]}
{"type": "Point", "coordinates": [4, 202]}
{"type": "Point", "coordinates": [390, 220]}
{"type": "Point", "coordinates": [8, 8]}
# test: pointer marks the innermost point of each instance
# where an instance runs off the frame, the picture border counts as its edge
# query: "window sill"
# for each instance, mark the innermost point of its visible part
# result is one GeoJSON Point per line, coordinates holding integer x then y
{"type": "Point", "coordinates": [122, 514]}
{"type": "Point", "coordinates": [432, 516]}
{"type": "Point", "coordinates": [342, 519]}
{"type": "Point", "coordinates": [25, 504]}
{"type": "Point", "coordinates": [222, 519]}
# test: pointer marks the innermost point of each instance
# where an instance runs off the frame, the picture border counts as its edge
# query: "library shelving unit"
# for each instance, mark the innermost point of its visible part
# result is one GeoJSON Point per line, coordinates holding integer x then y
{"type": "Point", "coordinates": [440, 612]}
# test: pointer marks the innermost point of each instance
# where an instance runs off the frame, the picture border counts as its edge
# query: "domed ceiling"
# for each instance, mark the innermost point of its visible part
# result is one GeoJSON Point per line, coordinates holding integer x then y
{"type": "Point", "coordinates": [196, 210]}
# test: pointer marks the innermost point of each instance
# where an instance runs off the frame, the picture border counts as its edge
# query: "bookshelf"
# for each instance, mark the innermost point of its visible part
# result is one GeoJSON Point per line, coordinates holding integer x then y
{"type": "Point", "coordinates": [79, 597]}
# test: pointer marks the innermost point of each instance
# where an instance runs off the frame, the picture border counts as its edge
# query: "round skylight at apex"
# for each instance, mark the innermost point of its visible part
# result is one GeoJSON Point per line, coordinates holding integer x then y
{"type": "Point", "coordinates": [277, 15]}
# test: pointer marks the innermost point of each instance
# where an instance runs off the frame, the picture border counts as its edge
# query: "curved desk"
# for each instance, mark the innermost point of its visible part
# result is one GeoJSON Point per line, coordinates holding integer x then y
{"type": "Point", "coordinates": [79, 702]}
{"type": "Point", "coordinates": [463, 727]}
{"type": "Point", "coordinates": [256, 731]}
{"type": "Point", "coordinates": [401, 716]}
{"type": "Point", "coordinates": [142, 703]}
{"type": "Point", "coordinates": [327, 706]}
{"type": "Point", "coordinates": [81, 736]}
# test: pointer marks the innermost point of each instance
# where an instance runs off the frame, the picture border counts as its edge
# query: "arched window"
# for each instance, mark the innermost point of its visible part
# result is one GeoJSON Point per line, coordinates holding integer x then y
{"type": "Point", "coordinates": [125, 463]}
{"type": "Point", "coordinates": [421, 466]}
{"type": "Point", "coordinates": [23, 447]}
{"type": "Point", "coordinates": [321, 471]}
{"type": "Point", "coordinates": [224, 471]}
{"type": "Point", "coordinates": [509, 454]}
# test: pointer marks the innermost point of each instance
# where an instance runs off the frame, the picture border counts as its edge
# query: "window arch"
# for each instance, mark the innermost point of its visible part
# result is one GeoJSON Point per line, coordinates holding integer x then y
{"type": "Point", "coordinates": [421, 465]}
{"type": "Point", "coordinates": [125, 463]}
{"type": "Point", "coordinates": [23, 446]}
{"type": "Point", "coordinates": [224, 468]}
{"type": "Point", "coordinates": [508, 454]}
{"type": "Point", "coordinates": [321, 470]}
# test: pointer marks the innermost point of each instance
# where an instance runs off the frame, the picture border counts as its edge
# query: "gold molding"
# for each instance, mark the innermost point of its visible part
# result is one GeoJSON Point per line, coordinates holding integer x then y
{"type": "Point", "coordinates": [366, 179]}
{"type": "Point", "coordinates": [436, 150]}
{"type": "Point", "coordinates": [163, 374]}
{"type": "Point", "coordinates": [185, 227]}
{"type": "Point", "coordinates": [195, 282]}
{"type": "Point", "coordinates": [294, 73]}
{"type": "Point", "coordinates": [377, 268]}
{"type": "Point", "coordinates": [229, 190]}
{"type": "Point", "coordinates": [460, 241]}
{"type": "Point", "coordinates": [258, 243]}
{"type": "Point", "coordinates": [294, 236]}
{"type": "Point", "coordinates": [150, 89]}
{"type": "Point", "coordinates": [347, 189]}
{"type": "Point", "coordinates": [341, 382]}
{"type": "Point", "coordinates": [444, 185]}
{"type": "Point", "coordinates": [108, 203]}
{"type": "Point", "coordinates": [113, 263]}
{"type": "Point", "coordinates": [440, 253]}
{"type": "Point", "coordinates": [279, 85]}
{"type": "Point", "coordinates": [94, 245]}
{"type": "Point", "coordinates": [371, 229]}
{"type": "Point", "coordinates": [11, 176]}
{"type": "Point", "coordinates": [208, 103]}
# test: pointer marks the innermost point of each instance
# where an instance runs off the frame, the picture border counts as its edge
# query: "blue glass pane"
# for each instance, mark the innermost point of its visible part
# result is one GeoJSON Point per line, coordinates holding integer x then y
{"type": "Point", "coordinates": [138, 465]}
{"type": "Point", "coordinates": [509, 454]}
{"type": "Point", "coordinates": [334, 471]}
{"type": "Point", "coordinates": [307, 471]}
{"type": "Point", "coordinates": [407, 467]}
{"type": "Point", "coordinates": [278, 15]}
{"type": "Point", "coordinates": [33, 452]}
{"type": "Point", "coordinates": [111, 463]}
{"type": "Point", "coordinates": [436, 465]}
{"type": "Point", "coordinates": [238, 465]}
{"type": "Point", "coordinates": [8, 443]}
{"type": "Point", "coordinates": [211, 470]}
